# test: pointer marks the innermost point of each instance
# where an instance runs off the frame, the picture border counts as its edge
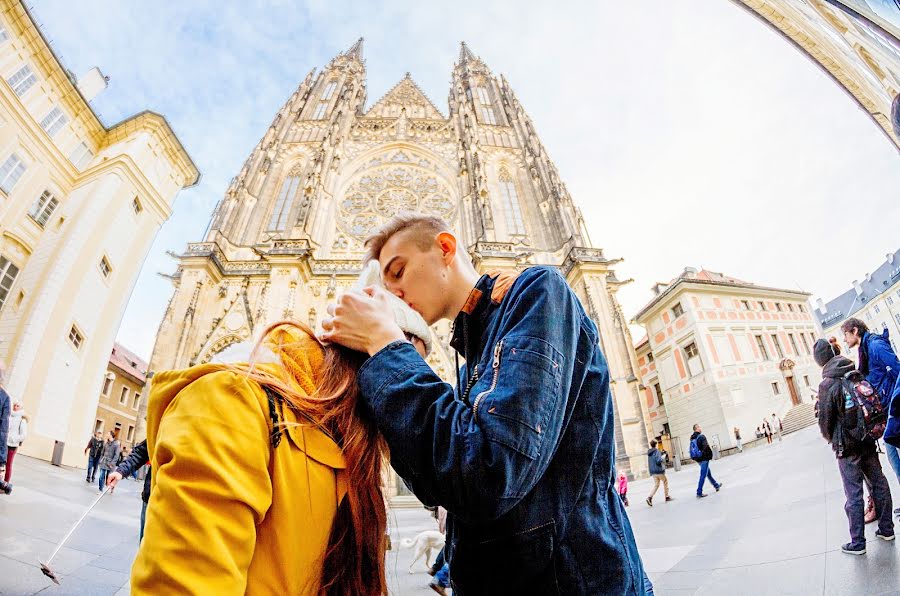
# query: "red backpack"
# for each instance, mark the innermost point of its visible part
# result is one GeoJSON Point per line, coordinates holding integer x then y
{"type": "Point", "coordinates": [870, 415]}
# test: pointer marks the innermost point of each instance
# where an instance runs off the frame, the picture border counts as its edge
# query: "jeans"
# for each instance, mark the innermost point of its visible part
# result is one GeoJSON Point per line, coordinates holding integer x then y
{"type": "Point", "coordinates": [704, 474]}
{"type": "Point", "coordinates": [438, 563]}
{"type": "Point", "coordinates": [740, 446]}
{"type": "Point", "coordinates": [93, 462]}
{"type": "Point", "coordinates": [854, 470]}
{"type": "Point", "coordinates": [143, 519]}
{"type": "Point", "coordinates": [103, 474]}
{"type": "Point", "coordinates": [893, 458]}
{"type": "Point", "coordinates": [442, 577]}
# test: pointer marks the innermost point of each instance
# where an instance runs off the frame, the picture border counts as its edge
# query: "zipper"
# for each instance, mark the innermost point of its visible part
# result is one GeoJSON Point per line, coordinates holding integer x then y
{"type": "Point", "coordinates": [495, 365]}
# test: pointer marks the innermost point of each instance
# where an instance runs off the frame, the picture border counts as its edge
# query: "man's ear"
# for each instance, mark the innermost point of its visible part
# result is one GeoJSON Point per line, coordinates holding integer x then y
{"type": "Point", "coordinates": [447, 244]}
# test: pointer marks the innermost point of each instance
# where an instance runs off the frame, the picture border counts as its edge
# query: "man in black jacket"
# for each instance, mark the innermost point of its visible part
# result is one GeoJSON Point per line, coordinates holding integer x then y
{"type": "Point", "coordinates": [132, 464]}
{"type": "Point", "coordinates": [706, 454]}
{"type": "Point", "coordinates": [856, 451]}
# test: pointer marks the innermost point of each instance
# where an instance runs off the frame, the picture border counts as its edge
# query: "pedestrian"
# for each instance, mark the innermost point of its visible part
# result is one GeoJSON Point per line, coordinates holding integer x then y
{"type": "Point", "coordinates": [268, 473]}
{"type": "Point", "coordinates": [109, 457]}
{"type": "Point", "coordinates": [5, 411]}
{"type": "Point", "coordinates": [737, 438]}
{"type": "Point", "coordinates": [18, 430]}
{"type": "Point", "coordinates": [139, 457]}
{"type": "Point", "coordinates": [93, 449]}
{"type": "Point", "coordinates": [441, 568]}
{"type": "Point", "coordinates": [767, 429]}
{"type": "Point", "coordinates": [701, 453]}
{"type": "Point", "coordinates": [657, 467]}
{"type": "Point", "coordinates": [521, 451]}
{"type": "Point", "coordinates": [880, 366]}
{"type": "Point", "coordinates": [777, 427]}
{"type": "Point", "coordinates": [622, 487]}
{"type": "Point", "coordinates": [855, 449]}
{"type": "Point", "coordinates": [122, 455]}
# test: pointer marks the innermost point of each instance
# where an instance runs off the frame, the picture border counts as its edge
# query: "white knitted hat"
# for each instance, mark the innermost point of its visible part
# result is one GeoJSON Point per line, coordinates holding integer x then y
{"type": "Point", "coordinates": [409, 320]}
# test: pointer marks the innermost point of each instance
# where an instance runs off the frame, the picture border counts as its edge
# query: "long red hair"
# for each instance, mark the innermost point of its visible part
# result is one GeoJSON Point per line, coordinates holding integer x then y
{"type": "Point", "coordinates": [354, 560]}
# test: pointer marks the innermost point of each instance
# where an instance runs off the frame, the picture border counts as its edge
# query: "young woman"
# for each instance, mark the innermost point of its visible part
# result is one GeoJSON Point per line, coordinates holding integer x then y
{"type": "Point", "coordinates": [18, 430]}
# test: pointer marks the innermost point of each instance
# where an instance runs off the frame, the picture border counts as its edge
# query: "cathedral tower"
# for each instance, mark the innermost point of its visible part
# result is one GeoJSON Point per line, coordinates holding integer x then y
{"type": "Point", "coordinates": [287, 236]}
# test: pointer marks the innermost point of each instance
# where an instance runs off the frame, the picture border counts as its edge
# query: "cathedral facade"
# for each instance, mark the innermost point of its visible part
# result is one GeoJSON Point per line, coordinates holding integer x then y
{"type": "Point", "coordinates": [287, 237]}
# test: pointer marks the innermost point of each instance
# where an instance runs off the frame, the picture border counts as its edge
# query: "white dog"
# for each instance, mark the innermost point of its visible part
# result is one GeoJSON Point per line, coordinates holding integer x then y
{"type": "Point", "coordinates": [424, 543]}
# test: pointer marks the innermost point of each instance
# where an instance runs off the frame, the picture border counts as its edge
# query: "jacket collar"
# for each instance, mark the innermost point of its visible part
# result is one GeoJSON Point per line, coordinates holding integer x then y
{"type": "Point", "coordinates": [473, 314]}
{"type": "Point", "coordinates": [311, 440]}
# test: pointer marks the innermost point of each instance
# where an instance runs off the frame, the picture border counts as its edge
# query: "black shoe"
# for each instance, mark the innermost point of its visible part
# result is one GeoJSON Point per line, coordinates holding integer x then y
{"type": "Point", "coordinates": [721, 484]}
{"type": "Point", "coordinates": [5, 487]}
{"type": "Point", "coordinates": [850, 549]}
{"type": "Point", "coordinates": [701, 495]}
{"type": "Point", "coordinates": [885, 537]}
{"type": "Point", "coordinates": [650, 501]}
{"type": "Point", "coordinates": [669, 499]}
{"type": "Point", "coordinates": [438, 588]}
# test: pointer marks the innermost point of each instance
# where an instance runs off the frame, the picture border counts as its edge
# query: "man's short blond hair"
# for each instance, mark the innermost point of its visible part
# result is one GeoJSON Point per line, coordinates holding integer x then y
{"type": "Point", "coordinates": [421, 228]}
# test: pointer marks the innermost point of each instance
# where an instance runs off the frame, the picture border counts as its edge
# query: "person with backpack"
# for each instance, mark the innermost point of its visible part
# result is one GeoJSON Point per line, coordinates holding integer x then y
{"type": "Point", "coordinates": [657, 472]}
{"type": "Point", "coordinates": [851, 420]}
{"type": "Point", "coordinates": [881, 367]}
{"type": "Point", "coordinates": [701, 453]}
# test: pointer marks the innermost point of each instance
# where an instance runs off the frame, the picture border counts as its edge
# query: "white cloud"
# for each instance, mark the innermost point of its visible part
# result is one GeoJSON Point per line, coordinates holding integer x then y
{"type": "Point", "coordinates": [688, 132]}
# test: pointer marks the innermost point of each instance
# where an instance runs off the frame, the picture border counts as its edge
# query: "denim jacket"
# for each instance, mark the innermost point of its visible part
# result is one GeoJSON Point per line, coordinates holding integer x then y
{"type": "Point", "coordinates": [521, 453]}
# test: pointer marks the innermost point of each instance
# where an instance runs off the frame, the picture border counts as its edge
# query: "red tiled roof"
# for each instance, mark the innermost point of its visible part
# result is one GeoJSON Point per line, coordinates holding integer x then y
{"type": "Point", "coordinates": [128, 362]}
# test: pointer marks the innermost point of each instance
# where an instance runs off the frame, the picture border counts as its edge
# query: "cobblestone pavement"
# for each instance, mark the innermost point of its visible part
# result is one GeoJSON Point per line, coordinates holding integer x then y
{"type": "Point", "coordinates": [775, 528]}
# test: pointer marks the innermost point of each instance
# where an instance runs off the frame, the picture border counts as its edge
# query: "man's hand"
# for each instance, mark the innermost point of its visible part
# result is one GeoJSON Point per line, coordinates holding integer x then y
{"type": "Point", "coordinates": [112, 479]}
{"type": "Point", "coordinates": [362, 322]}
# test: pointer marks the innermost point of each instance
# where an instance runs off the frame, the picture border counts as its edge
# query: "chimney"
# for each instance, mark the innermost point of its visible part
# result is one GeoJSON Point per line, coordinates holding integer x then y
{"type": "Point", "coordinates": [659, 288]}
{"type": "Point", "coordinates": [868, 278]}
{"type": "Point", "coordinates": [890, 258]}
{"type": "Point", "coordinates": [92, 83]}
{"type": "Point", "coordinates": [821, 304]}
{"type": "Point", "coordinates": [857, 287]}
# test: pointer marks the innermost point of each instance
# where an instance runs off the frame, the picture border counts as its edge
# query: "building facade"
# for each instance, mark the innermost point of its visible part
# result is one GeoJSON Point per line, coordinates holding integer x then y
{"type": "Point", "coordinates": [875, 300]}
{"type": "Point", "coordinates": [80, 204]}
{"type": "Point", "coordinates": [723, 353]}
{"type": "Point", "coordinates": [287, 236]}
{"type": "Point", "coordinates": [121, 394]}
{"type": "Point", "coordinates": [855, 42]}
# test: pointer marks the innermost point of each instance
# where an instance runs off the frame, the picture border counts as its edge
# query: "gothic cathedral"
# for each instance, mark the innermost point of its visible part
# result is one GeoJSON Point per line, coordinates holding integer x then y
{"type": "Point", "coordinates": [287, 236]}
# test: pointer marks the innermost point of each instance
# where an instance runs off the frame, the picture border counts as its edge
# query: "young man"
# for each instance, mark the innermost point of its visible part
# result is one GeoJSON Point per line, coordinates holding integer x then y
{"type": "Point", "coordinates": [776, 426]}
{"type": "Point", "coordinates": [657, 472]}
{"type": "Point", "coordinates": [93, 449]}
{"type": "Point", "coordinates": [879, 364]}
{"type": "Point", "coordinates": [856, 454]}
{"type": "Point", "coordinates": [703, 459]}
{"type": "Point", "coordinates": [521, 453]}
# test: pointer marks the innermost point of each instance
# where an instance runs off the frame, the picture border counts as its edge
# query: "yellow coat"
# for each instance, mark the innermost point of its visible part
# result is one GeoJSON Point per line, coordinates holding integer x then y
{"type": "Point", "coordinates": [228, 513]}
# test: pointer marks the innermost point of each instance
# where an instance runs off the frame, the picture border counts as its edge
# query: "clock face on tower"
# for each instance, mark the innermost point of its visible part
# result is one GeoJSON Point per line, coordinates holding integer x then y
{"type": "Point", "coordinates": [388, 185]}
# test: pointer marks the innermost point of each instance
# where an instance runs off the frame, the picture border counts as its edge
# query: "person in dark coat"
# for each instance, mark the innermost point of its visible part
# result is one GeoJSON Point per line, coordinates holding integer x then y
{"type": "Point", "coordinates": [706, 454]}
{"type": "Point", "coordinates": [5, 410]}
{"type": "Point", "coordinates": [93, 449]}
{"type": "Point", "coordinates": [856, 453]}
{"type": "Point", "coordinates": [138, 458]}
{"type": "Point", "coordinates": [657, 464]}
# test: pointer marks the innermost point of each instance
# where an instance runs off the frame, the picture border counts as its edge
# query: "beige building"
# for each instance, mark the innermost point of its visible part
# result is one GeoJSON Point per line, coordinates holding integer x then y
{"type": "Point", "coordinates": [875, 300]}
{"type": "Point", "coordinates": [855, 42]}
{"type": "Point", "coordinates": [121, 394]}
{"type": "Point", "coordinates": [80, 204]}
{"type": "Point", "coordinates": [724, 353]}
{"type": "Point", "coordinates": [287, 236]}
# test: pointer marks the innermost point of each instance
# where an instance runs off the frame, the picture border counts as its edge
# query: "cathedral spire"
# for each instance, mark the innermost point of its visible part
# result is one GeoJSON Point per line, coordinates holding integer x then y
{"type": "Point", "coordinates": [465, 54]}
{"type": "Point", "coordinates": [356, 50]}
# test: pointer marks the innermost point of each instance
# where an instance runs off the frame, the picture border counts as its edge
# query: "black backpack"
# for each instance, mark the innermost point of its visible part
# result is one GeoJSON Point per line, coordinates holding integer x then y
{"type": "Point", "coordinates": [863, 418]}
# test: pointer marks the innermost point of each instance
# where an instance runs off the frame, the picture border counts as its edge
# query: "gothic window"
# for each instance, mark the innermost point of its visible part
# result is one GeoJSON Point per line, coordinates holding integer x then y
{"type": "Point", "coordinates": [487, 110]}
{"type": "Point", "coordinates": [43, 208]}
{"type": "Point", "coordinates": [8, 273]}
{"type": "Point", "coordinates": [329, 90]}
{"type": "Point", "coordinates": [511, 207]}
{"type": "Point", "coordinates": [322, 106]}
{"type": "Point", "coordinates": [285, 200]}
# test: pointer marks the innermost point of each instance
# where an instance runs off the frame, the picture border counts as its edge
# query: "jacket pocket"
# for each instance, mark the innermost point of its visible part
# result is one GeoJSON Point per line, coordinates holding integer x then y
{"type": "Point", "coordinates": [515, 410]}
{"type": "Point", "coordinates": [520, 563]}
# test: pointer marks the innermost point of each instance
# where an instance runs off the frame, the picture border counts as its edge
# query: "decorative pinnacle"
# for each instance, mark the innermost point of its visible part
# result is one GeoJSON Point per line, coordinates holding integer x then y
{"type": "Point", "coordinates": [356, 51]}
{"type": "Point", "coordinates": [465, 54]}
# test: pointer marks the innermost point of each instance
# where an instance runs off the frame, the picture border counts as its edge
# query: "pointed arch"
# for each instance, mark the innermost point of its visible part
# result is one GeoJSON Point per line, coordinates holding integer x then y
{"type": "Point", "coordinates": [290, 187]}
{"type": "Point", "coordinates": [512, 208]}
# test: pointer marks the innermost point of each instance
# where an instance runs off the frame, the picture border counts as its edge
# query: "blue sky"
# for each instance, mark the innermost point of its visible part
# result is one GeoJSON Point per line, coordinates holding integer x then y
{"type": "Point", "coordinates": [688, 133]}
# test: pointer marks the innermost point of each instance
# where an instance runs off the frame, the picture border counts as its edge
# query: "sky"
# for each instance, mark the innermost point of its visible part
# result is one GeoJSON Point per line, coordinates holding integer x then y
{"type": "Point", "coordinates": [688, 132]}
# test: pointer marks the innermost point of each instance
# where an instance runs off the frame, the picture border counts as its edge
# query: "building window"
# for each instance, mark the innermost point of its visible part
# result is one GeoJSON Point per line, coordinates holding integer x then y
{"type": "Point", "coordinates": [136, 205]}
{"type": "Point", "coordinates": [487, 110]}
{"type": "Point", "coordinates": [761, 344]}
{"type": "Point", "coordinates": [129, 436]}
{"type": "Point", "coordinates": [285, 201]}
{"type": "Point", "coordinates": [22, 81]}
{"type": "Point", "coordinates": [877, 309]}
{"type": "Point", "coordinates": [896, 317]}
{"type": "Point", "coordinates": [800, 308]}
{"type": "Point", "coordinates": [107, 383]}
{"type": "Point", "coordinates": [329, 90]}
{"type": "Point", "coordinates": [776, 389]}
{"type": "Point", "coordinates": [677, 310]}
{"type": "Point", "coordinates": [512, 210]}
{"type": "Point", "coordinates": [75, 337]}
{"type": "Point", "coordinates": [659, 394]}
{"type": "Point", "coordinates": [762, 305]}
{"type": "Point", "coordinates": [322, 106]}
{"type": "Point", "coordinates": [790, 307]}
{"type": "Point", "coordinates": [135, 401]}
{"type": "Point", "coordinates": [745, 304]}
{"type": "Point", "coordinates": [868, 315]}
{"type": "Point", "coordinates": [81, 156]}
{"type": "Point", "coordinates": [54, 121]}
{"type": "Point", "coordinates": [805, 343]}
{"type": "Point", "coordinates": [105, 267]}
{"type": "Point", "coordinates": [793, 344]}
{"type": "Point", "coordinates": [778, 306]}
{"type": "Point", "coordinates": [695, 366]}
{"type": "Point", "coordinates": [320, 111]}
{"type": "Point", "coordinates": [806, 380]}
{"type": "Point", "coordinates": [8, 273]}
{"type": "Point", "coordinates": [10, 172]}
{"type": "Point", "coordinates": [98, 426]}
{"type": "Point", "coordinates": [118, 429]}
{"type": "Point", "coordinates": [3, 34]}
{"type": "Point", "coordinates": [124, 396]}
{"type": "Point", "coordinates": [43, 208]}
{"type": "Point", "coordinates": [778, 349]}
{"type": "Point", "coordinates": [649, 357]}
{"type": "Point", "coordinates": [890, 300]}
